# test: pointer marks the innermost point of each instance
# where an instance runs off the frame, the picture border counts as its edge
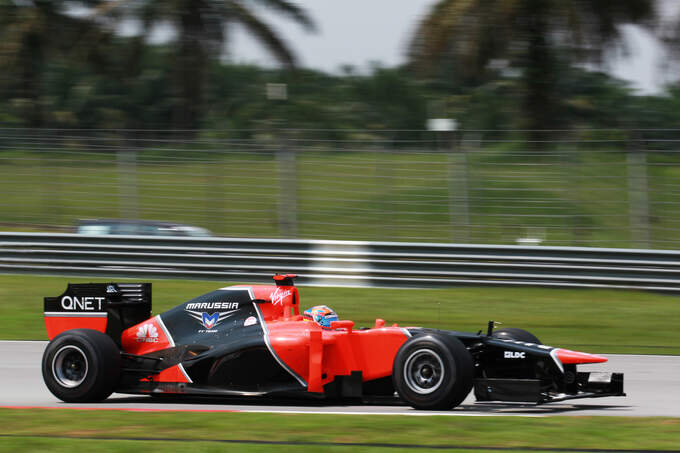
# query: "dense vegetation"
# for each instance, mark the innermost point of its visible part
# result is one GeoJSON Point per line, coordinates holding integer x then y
{"type": "Point", "coordinates": [74, 95]}
{"type": "Point", "coordinates": [65, 71]}
{"type": "Point", "coordinates": [60, 70]}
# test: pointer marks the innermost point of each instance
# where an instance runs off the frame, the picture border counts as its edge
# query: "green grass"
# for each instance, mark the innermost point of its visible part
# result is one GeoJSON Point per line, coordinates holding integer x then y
{"type": "Point", "coordinates": [609, 433]}
{"type": "Point", "coordinates": [579, 198]}
{"type": "Point", "coordinates": [607, 321]}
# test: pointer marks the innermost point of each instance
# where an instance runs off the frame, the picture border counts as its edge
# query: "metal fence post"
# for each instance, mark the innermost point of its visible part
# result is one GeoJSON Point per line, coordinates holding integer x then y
{"type": "Point", "coordinates": [458, 191]}
{"type": "Point", "coordinates": [287, 205]}
{"type": "Point", "coordinates": [386, 226]}
{"type": "Point", "coordinates": [214, 188]}
{"type": "Point", "coordinates": [127, 177]}
{"type": "Point", "coordinates": [638, 197]}
{"type": "Point", "coordinates": [51, 188]}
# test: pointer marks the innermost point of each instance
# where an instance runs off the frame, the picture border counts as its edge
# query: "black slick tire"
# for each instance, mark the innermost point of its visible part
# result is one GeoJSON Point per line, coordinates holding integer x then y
{"type": "Point", "coordinates": [515, 334]}
{"type": "Point", "coordinates": [433, 372]}
{"type": "Point", "coordinates": [81, 366]}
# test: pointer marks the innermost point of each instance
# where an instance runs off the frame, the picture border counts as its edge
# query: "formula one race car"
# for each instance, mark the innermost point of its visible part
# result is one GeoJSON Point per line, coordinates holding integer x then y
{"type": "Point", "coordinates": [252, 340]}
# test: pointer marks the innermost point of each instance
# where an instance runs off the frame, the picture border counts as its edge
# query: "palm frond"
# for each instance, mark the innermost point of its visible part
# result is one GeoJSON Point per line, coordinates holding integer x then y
{"type": "Point", "coordinates": [264, 34]}
{"type": "Point", "coordinates": [291, 10]}
{"type": "Point", "coordinates": [434, 35]}
{"type": "Point", "coordinates": [470, 32]}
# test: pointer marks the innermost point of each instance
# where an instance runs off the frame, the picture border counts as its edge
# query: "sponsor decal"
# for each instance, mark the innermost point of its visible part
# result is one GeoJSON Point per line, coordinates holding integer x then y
{"type": "Point", "coordinates": [279, 295]}
{"type": "Point", "coordinates": [210, 320]}
{"type": "Point", "coordinates": [212, 306]}
{"type": "Point", "coordinates": [250, 321]}
{"type": "Point", "coordinates": [82, 303]}
{"type": "Point", "coordinates": [147, 333]}
{"type": "Point", "coordinates": [514, 355]}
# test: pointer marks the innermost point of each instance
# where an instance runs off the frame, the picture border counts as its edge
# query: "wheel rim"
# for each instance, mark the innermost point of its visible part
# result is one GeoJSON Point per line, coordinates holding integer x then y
{"type": "Point", "coordinates": [424, 371]}
{"type": "Point", "coordinates": [69, 366]}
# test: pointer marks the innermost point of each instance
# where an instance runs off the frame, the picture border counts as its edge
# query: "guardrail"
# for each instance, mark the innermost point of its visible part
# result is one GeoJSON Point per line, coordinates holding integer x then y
{"type": "Point", "coordinates": [341, 263]}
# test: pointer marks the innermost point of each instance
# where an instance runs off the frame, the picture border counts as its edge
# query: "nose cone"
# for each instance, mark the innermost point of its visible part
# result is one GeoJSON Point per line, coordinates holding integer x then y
{"type": "Point", "coordinates": [567, 356]}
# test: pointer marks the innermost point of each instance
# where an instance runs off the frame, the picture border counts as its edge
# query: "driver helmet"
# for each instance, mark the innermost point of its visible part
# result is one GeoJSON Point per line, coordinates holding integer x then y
{"type": "Point", "coordinates": [320, 314]}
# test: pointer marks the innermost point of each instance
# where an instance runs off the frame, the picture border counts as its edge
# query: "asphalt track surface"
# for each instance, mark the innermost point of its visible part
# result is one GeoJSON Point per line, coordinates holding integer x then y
{"type": "Point", "coordinates": [651, 383]}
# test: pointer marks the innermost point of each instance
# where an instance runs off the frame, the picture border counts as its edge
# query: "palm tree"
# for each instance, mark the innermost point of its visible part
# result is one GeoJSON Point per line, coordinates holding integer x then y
{"type": "Point", "coordinates": [530, 35]}
{"type": "Point", "coordinates": [201, 31]}
{"type": "Point", "coordinates": [32, 33]}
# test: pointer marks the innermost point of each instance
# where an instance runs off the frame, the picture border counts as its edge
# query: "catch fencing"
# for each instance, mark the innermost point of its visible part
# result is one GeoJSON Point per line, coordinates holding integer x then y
{"type": "Point", "coordinates": [339, 263]}
{"type": "Point", "coordinates": [602, 188]}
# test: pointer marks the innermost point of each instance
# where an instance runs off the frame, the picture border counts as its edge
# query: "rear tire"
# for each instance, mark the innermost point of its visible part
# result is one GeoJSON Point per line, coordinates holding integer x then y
{"type": "Point", "coordinates": [433, 372]}
{"type": "Point", "coordinates": [515, 334]}
{"type": "Point", "coordinates": [81, 365]}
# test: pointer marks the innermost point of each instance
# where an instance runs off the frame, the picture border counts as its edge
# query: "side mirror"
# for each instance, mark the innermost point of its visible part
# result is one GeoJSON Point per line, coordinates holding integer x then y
{"type": "Point", "coordinates": [349, 325]}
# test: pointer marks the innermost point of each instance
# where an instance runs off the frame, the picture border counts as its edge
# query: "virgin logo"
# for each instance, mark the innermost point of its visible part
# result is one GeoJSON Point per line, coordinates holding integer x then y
{"type": "Point", "coordinates": [278, 296]}
{"type": "Point", "coordinates": [147, 333]}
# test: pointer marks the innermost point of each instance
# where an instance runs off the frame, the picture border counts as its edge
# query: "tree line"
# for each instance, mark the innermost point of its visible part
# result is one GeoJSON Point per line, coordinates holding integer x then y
{"type": "Point", "coordinates": [492, 64]}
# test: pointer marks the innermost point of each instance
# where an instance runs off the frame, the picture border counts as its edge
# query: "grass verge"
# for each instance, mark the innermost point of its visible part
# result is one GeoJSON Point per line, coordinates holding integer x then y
{"type": "Point", "coordinates": [66, 430]}
{"type": "Point", "coordinates": [607, 321]}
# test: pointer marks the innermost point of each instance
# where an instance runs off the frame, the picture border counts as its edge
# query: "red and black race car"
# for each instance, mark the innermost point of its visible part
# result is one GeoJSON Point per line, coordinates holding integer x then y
{"type": "Point", "coordinates": [252, 340]}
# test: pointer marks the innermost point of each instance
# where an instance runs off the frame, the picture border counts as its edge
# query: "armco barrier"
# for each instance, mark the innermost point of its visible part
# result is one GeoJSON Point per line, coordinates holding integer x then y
{"type": "Point", "coordinates": [341, 263]}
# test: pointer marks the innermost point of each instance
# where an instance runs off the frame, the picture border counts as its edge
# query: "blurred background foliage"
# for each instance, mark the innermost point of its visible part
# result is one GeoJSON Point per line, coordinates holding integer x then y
{"type": "Point", "coordinates": [501, 64]}
{"type": "Point", "coordinates": [536, 41]}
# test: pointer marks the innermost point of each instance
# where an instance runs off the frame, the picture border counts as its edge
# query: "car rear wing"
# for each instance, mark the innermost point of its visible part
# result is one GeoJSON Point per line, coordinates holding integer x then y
{"type": "Point", "coordinates": [106, 307]}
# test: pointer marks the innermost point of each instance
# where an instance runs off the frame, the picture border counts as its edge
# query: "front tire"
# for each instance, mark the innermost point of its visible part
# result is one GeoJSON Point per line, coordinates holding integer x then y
{"type": "Point", "coordinates": [81, 365]}
{"type": "Point", "coordinates": [433, 372]}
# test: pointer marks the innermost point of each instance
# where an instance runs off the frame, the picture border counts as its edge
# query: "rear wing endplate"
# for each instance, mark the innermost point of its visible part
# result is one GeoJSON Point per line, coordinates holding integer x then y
{"type": "Point", "coordinates": [107, 307]}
